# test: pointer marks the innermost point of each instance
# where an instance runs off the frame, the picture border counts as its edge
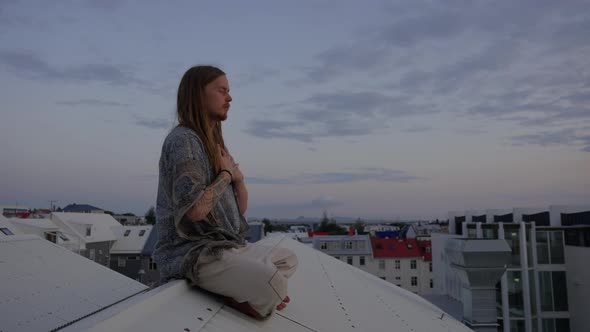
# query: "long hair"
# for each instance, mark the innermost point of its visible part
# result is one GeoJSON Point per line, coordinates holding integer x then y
{"type": "Point", "coordinates": [190, 109]}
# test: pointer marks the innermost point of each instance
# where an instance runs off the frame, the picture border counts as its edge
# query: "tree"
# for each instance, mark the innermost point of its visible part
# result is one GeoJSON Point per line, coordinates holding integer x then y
{"type": "Point", "coordinates": [359, 226]}
{"type": "Point", "coordinates": [129, 214]}
{"type": "Point", "coordinates": [267, 226]}
{"type": "Point", "coordinates": [150, 216]}
{"type": "Point", "coordinates": [109, 212]}
{"type": "Point", "coordinates": [330, 226]}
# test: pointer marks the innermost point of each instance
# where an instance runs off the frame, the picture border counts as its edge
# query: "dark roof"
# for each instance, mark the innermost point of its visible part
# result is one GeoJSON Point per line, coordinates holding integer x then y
{"type": "Point", "coordinates": [80, 208]}
{"type": "Point", "coordinates": [150, 243]}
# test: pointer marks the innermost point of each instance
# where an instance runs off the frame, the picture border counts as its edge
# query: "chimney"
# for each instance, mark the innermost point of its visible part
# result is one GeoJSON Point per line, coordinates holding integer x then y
{"type": "Point", "coordinates": [479, 265]}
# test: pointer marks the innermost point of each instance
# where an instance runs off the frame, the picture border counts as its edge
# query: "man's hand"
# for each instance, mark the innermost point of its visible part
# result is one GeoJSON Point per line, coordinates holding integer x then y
{"type": "Point", "coordinates": [237, 172]}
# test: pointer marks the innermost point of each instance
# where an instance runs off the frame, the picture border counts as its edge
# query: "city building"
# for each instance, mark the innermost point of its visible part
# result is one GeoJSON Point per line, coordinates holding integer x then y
{"type": "Point", "coordinates": [131, 253]}
{"type": "Point", "coordinates": [406, 263]}
{"type": "Point", "coordinates": [10, 211]}
{"type": "Point", "coordinates": [82, 208]}
{"type": "Point", "coordinates": [45, 229]}
{"type": "Point", "coordinates": [533, 294]}
{"type": "Point", "coordinates": [92, 234]}
{"type": "Point", "coordinates": [354, 250]}
{"type": "Point", "coordinates": [128, 219]}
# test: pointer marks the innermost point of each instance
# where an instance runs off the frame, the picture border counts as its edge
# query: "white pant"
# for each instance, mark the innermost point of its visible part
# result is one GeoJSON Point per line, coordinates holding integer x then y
{"type": "Point", "coordinates": [256, 274]}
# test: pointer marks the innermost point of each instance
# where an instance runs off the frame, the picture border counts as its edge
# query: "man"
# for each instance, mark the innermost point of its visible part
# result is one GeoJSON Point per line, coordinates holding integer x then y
{"type": "Point", "coordinates": [202, 199]}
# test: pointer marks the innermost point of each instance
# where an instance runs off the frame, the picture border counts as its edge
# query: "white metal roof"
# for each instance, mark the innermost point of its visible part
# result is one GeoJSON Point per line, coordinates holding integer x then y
{"type": "Point", "coordinates": [101, 225]}
{"type": "Point", "coordinates": [5, 223]}
{"type": "Point", "coordinates": [327, 295]}
{"type": "Point", "coordinates": [44, 286]}
{"type": "Point", "coordinates": [35, 222]}
{"type": "Point", "coordinates": [133, 242]}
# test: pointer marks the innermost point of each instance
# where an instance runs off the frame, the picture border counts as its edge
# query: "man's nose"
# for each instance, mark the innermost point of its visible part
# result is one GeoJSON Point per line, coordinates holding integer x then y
{"type": "Point", "coordinates": [228, 98]}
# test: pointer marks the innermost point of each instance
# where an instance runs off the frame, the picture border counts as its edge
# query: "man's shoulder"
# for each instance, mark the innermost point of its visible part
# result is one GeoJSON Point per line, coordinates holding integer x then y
{"type": "Point", "coordinates": [181, 134]}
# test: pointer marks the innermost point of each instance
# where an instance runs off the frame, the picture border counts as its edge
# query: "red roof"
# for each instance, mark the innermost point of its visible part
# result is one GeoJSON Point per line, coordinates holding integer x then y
{"type": "Point", "coordinates": [399, 248]}
{"type": "Point", "coordinates": [427, 253]}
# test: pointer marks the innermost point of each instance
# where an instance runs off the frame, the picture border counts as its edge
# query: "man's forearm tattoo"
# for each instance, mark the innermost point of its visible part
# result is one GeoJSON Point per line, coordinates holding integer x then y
{"type": "Point", "coordinates": [212, 194]}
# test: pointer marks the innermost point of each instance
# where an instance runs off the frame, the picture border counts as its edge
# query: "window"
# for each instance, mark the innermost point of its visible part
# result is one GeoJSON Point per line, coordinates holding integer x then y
{"type": "Point", "coordinates": [553, 291]}
{"type": "Point", "coordinates": [6, 231]}
{"type": "Point", "coordinates": [397, 264]}
{"type": "Point", "coordinates": [379, 246]}
{"type": "Point", "coordinates": [515, 294]}
{"type": "Point", "coordinates": [414, 281]}
{"type": "Point", "coordinates": [398, 278]}
{"type": "Point", "coordinates": [511, 235]}
{"type": "Point", "coordinates": [550, 247]}
{"type": "Point", "coordinates": [99, 251]}
{"type": "Point", "coordinates": [92, 254]}
{"type": "Point", "coordinates": [428, 249]}
{"type": "Point", "coordinates": [349, 260]}
{"type": "Point", "coordinates": [430, 283]}
{"type": "Point", "coordinates": [88, 230]}
{"type": "Point", "coordinates": [348, 245]}
{"type": "Point", "coordinates": [324, 246]}
{"type": "Point", "coordinates": [62, 236]}
{"type": "Point", "coordinates": [430, 266]}
{"type": "Point", "coordinates": [153, 266]}
{"type": "Point", "coordinates": [391, 247]}
{"type": "Point", "coordinates": [132, 258]}
{"type": "Point", "coordinates": [142, 232]}
{"type": "Point", "coordinates": [50, 236]}
{"type": "Point", "coordinates": [121, 262]}
{"type": "Point", "coordinates": [127, 232]}
{"type": "Point", "coordinates": [413, 264]}
{"type": "Point", "coordinates": [362, 260]}
{"type": "Point", "coordinates": [382, 264]}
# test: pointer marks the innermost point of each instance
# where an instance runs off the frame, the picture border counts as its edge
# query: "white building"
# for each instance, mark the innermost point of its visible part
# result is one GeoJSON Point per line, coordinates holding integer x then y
{"type": "Point", "coordinates": [45, 229]}
{"type": "Point", "coordinates": [354, 250]}
{"type": "Point", "coordinates": [406, 263]}
{"type": "Point", "coordinates": [92, 233]}
{"type": "Point", "coordinates": [533, 294]}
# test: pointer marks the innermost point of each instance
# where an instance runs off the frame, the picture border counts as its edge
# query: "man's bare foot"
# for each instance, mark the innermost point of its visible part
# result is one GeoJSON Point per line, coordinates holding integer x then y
{"type": "Point", "coordinates": [283, 304]}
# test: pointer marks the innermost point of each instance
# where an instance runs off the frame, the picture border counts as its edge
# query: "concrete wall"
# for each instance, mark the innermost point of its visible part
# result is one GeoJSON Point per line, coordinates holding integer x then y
{"type": "Point", "coordinates": [578, 286]}
{"type": "Point", "coordinates": [102, 252]}
{"type": "Point", "coordinates": [132, 264]}
{"type": "Point", "coordinates": [445, 279]}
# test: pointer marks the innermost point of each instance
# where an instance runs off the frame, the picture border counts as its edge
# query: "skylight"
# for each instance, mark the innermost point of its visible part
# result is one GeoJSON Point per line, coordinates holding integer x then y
{"type": "Point", "coordinates": [6, 231]}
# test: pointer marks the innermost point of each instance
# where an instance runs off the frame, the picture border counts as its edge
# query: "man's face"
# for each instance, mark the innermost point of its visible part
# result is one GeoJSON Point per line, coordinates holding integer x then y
{"type": "Point", "coordinates": [217, 98]}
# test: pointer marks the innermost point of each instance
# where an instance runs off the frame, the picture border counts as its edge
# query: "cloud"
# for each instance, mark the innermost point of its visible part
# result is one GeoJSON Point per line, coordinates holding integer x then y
{"type": "Point", "coordinates": [255, 75]}
{"type": "Point", "coordinates": [355, 175]}
{"type": "Point", "coordinates": [153, 123]}
{"type": "Point", "coordinates": [418, 129]}
{"type": "Point", "coordinates": [573, 137]}
{"type": "Point", "coordinates": [91, 102]}
{"type": "Point", "coordinates": [31, 65]}
{"type": "Point", "coordinates": [107, 5]}
{"type": "Point", "coordinates": [335, 114]}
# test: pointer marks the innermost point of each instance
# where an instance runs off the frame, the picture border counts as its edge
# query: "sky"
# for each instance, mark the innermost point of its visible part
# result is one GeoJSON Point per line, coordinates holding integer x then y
{"type": "Point", "coordinates": [370, 109]}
